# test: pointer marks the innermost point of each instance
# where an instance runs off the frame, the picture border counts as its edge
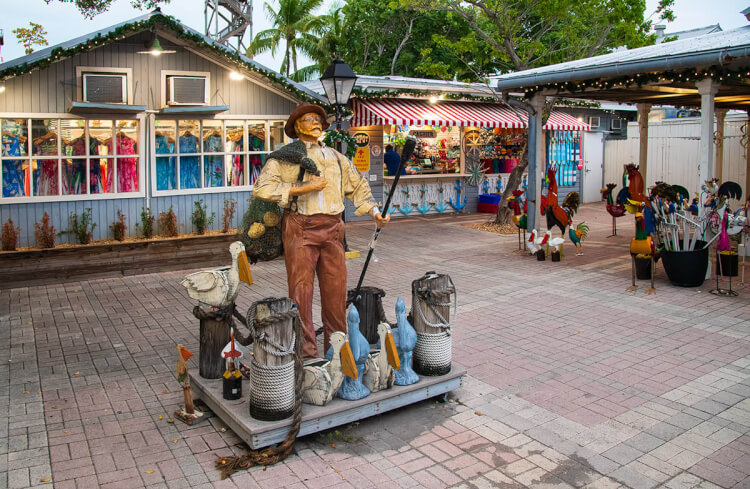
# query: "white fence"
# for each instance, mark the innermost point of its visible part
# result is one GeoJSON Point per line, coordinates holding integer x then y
{"type": "Point", "coordinates": [673, 153]}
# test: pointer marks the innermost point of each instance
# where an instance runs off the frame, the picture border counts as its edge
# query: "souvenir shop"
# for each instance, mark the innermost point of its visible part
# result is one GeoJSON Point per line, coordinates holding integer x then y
{"type": "Point", "coordinates": [141, 132]}
{"type": "Point", "coordinates": [453, 137]}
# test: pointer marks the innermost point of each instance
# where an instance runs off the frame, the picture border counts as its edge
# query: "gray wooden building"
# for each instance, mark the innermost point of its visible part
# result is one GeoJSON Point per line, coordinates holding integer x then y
{"type": "Point", "coordinates": [143, 114]}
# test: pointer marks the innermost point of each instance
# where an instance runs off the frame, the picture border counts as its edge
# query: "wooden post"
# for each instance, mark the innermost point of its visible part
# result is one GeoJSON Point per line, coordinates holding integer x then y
{"type": "Point", "coordinates": [719, 158]}
{"type": "Point", "coordinates": [643, 110]}
{"type": "Point", "coordinates": [370, 308]}
{"type": "Point", "coordinates": [708, 89]}
{"type": "Point", "coordinates": [272, 376]}
{"type": "Point", "coordinates": [214, 336]}
{"type": "Point", "coordinates": [536, 161]}
{"type": "Point", "coordinates": [747, 157]}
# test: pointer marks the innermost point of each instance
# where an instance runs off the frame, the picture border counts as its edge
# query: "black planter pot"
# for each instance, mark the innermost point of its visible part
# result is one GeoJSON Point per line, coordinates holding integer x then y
{"type": "Point", "coordinates": [555, 255]}
{"type": "Point", "coordinates": [728, 265]}
{"type": "Point", "coordinates": [686, 268]}
{"type": "Point", "coordinates": [643, 268]}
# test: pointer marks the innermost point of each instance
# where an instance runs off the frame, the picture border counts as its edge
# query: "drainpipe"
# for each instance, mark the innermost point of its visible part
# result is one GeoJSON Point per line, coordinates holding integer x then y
{"type": "Point", "coordinates": [721, 115]}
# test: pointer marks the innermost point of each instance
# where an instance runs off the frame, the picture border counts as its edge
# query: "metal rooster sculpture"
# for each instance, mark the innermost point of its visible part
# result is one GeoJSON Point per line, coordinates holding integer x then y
{"type": "Point", "coordinates": [560, 216]}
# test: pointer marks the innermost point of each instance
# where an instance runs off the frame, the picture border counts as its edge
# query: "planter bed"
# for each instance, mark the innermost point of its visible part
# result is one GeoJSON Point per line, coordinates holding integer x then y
{"type": "Point", "coordinates": [85, 262]}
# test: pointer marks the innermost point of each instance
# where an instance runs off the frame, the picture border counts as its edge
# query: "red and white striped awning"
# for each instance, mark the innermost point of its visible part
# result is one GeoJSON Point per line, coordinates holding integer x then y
{"type": "Point", "coordinates": [562, 121]}
{"type": "Point", "coordinates": [413, 112]}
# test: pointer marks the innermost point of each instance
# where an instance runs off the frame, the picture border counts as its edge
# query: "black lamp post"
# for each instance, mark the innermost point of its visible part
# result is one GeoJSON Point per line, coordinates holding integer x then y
{"type": "Point", "coordinates": [338, 81]}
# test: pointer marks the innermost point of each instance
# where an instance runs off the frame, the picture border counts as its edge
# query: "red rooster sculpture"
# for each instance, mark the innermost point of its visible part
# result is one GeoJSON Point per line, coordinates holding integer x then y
{"type": "Point", "coordinates": [613, 209]}
{"type": "Point", "coordinates": [560, 216]}
{"type": "Point", "coordinates": [635, 188]}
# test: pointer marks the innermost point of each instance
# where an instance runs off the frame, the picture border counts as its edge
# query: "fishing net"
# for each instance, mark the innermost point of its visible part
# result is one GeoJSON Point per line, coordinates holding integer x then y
{"type": "Point", "coordinates": [261, 230]}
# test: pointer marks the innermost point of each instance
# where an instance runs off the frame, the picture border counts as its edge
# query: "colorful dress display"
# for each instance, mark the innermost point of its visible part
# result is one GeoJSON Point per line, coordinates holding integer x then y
{"type": "Point", "coordinates": [212, 164]}
{"type": "Point", "coordinates": [127, 168]}
{"type": "Point", "coordinates": [45, 173]}
{"type": "Point", "coordinates": [14, 174]}
{"type": "Point", "coordinates": [190, 170]}
{"type": "Point", "coordinates": [256, 162]}
{"type": "Point", "coordinates": [166, 173]}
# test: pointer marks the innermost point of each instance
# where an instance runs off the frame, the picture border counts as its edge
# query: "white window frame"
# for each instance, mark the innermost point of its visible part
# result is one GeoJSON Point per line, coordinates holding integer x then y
{"type": "Point", "coordinates": [87, 196]}
{"type": "Point", "coordinates": [96, 70]}
{"type": "Point", "coordinates": [166, 95]}
{"type": "Point", "coordinates": [612, 124]}
{"type": "Point", "coordinates": [591, 121]}
{"type": "Point", "coordinates": [267, 120]}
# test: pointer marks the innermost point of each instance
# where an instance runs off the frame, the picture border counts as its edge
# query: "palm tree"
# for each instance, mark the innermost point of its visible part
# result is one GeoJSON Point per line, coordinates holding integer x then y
{"type": "Point", "coordinates": [292, 24]}
{"type": "Point", "coordinates": [323, 44]}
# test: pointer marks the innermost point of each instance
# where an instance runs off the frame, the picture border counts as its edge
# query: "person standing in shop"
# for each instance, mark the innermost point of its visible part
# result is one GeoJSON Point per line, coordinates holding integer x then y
{"type": "Point", "coordinates": [392, 161]}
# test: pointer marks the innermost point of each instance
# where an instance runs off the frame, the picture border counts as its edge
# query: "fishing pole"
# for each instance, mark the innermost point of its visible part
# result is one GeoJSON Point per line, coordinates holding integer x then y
{"type": "Point", "coordinates": [406, 152]}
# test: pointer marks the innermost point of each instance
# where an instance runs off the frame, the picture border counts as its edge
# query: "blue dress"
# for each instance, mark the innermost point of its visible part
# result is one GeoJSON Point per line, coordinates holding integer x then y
{"type": "Point", "coordinates": [14, 176]}
{"type": "Point", "coordinates": [212, 164]}
{"type": "Point", "coordinates": [190, 170]}
{"type": "Point", "coordinates": [166, 173]}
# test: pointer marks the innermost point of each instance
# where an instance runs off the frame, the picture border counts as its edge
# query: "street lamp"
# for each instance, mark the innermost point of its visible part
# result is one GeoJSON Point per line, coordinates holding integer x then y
{"type": "Point", "coordinates": [338, 81]}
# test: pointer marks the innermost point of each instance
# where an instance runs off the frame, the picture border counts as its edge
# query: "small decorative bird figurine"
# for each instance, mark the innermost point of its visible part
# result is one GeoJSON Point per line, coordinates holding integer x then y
{"type": "Point", "coordinates": [379, 368]}
{"type": "Point", "coordinates": [218, 288]}
{"type": "Point", "coordinates": [324, 376]}
{"type": "Point", "coordinates": [353, 388]}
{"type": "Point", "coordinates": [405, 338]}
{"type": "Point", "coordinates": [189, 414]}
{"type": "Point", "coordinates": [531, 243]}
{"type": "Point", "coordinates": [577, 236]}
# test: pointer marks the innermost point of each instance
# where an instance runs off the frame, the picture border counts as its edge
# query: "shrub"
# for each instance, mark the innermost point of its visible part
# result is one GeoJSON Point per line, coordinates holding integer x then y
{"type": "Point", "coordinates": [147, 223]}
{"type": "Point", "coordinates": [167, 222]}
{"type": "Point", "coordinates": [229, 207]}
{"type": "Point", "coordinates": [200, 218]}
{"type": "Point", "coordinates": [80, 227]}
{"type": "Point", "coordinates": [44, 233]}
{"type": "Point", "coordinates": [119, 227]}
{"type": "Point", "coordinates": [10, 236]}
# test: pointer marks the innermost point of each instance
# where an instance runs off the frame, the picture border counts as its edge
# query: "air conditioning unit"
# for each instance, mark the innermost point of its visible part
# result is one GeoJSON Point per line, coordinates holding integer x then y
{"type": "Point", "coordinates": [187, 90]}
{"type": "Point", "coordinates": [594, 121]}
{"type": "Point", "coordinates": [616, 124]}
{"type": "Point", "coordinates": [105, 88]}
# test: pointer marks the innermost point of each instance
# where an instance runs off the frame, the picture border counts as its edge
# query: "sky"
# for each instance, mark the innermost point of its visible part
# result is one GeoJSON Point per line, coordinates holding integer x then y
{"type": "Point", "coordinates": [63, 21]}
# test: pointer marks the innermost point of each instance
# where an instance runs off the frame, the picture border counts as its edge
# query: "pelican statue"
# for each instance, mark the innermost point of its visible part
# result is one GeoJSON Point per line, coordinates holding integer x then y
{"type": "Point", "coordinates": [379, 368]}
{"type": "Point", "coordinates": [218, 288]}
{"type": "Point", "coordinates": [323, 377]}
{"type": "Point", "coordinates": [405, 338]}
{"type": "Point", "coordinates": [352, 388]}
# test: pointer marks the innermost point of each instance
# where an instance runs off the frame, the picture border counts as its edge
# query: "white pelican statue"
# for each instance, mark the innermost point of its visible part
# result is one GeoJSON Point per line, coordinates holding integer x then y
{"type": "Point", "coordinates": [218, 288]}
{"type": "Point", "coordinates": [323, 377]}
{"type": "Point", "coordinates": [379, 373]}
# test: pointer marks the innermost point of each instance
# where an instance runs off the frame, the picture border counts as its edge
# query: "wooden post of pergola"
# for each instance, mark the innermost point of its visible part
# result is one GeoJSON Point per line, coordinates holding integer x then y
{"type": "Point", "coordinates": [643, 111]}
{"type": "Point", "coordinates": [721, 115]}
{"type": "Point", "coordinates": [536, 160]}
{"type": "Point", "coordinates": [747, 156]}
{"type": "Point", "coordinates": [707, 89]}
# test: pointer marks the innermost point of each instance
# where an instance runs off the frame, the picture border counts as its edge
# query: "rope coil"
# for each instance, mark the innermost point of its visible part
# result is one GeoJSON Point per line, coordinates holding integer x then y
{"type": "Point", "coordinates": [425, 297]}
{"type": "Point", "coordinates": [433, 352]}
{"type": "Point", "coordinates": [272, 387]}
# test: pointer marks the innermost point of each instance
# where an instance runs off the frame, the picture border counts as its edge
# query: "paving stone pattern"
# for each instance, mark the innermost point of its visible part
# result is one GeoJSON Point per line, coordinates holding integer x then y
{"type": "Point", "coordinates": [572, 381]}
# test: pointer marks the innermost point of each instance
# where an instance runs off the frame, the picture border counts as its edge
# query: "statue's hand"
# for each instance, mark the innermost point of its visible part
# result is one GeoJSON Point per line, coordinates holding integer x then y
{"type": "Point", "coordinates": [380, 220]}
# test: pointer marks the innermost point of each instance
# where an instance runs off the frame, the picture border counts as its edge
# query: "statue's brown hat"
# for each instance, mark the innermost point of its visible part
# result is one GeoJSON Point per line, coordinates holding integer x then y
{"type": "Point", "coordinates": [302, 109]}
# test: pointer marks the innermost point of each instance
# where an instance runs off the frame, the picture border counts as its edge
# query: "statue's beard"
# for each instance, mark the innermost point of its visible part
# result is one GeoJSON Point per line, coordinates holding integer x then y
{"type": "Point", "coordinates": [314, 132]}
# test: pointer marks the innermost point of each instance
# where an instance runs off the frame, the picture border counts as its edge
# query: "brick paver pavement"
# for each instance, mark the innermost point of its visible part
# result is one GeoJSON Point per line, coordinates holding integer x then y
{"type": "Point", "coordinates": [573, 382]}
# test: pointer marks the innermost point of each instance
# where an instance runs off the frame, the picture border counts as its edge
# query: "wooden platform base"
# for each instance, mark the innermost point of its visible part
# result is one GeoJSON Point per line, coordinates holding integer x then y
{"type": "Point", "coordinates": [258, 434]}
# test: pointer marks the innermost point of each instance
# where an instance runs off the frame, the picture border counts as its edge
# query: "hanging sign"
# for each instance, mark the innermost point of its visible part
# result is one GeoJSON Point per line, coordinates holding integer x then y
{"type": "Point", "coordinates": [362, 159]}
{"type": "Point", "coordinates": [362, 138]}
{"type": "Point", "coordinates": [422, 134]}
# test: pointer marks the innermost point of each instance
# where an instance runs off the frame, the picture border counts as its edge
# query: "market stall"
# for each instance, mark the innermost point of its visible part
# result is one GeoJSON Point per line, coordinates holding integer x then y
{"type": "Point", "coordinates": [453, 138]}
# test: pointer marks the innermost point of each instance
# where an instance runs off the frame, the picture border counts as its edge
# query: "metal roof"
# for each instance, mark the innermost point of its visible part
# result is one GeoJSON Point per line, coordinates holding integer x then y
{"type": "Point", "coordinates": [383, 83]}
{"type": "Point", "coordinates": [706, 50]}
{"type": "Point", "coordinates": [688, 33]}
{"type": "Point", "coordinates": [45, 53]}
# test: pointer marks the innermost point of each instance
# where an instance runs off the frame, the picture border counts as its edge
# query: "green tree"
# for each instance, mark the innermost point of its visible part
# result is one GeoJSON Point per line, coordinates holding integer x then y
{"type": "Point", "coordinates": [34, 35]}
{"type": "Point", "coordinates": [294, 25]}
{"type": "Point", "coordinates": [324, 45]}
{"type": "Point", "coordinates": [523, 34]}
{"type": "Point", "coordinates": [92, 8]}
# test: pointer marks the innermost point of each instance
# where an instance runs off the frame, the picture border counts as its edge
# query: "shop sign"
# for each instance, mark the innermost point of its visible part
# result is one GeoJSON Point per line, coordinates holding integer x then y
{"type": "Point", "coordinates": [362, 138]}
{"type": "Point", "coordinates": [362, 159]}
{"type": "Point", "coordinates": [423, 134]}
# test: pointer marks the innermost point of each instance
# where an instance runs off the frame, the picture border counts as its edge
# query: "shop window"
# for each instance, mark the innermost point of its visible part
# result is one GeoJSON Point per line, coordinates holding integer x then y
{"type": "Point", "coordinates": [438, 149]}
{"type": "Point", "coordinates": [594, 121]}
{"type": "Point", "coordinates": [213, 153]}
{"type": "Point", "coordinates": [69, 157]}
{"type": "Point", "coordinates": [616, 124]}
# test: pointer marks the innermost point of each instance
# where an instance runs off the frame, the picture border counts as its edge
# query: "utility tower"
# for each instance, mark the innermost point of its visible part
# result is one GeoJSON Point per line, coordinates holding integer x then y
{"type": "Point", "coordinates": [227, 22]}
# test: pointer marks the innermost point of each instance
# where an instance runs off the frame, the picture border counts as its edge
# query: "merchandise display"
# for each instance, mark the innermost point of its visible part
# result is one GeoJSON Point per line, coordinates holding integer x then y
{"type": "Point", "coordinates": [438, 150]}
{"type": "Point", "coordinates": [498, 149]}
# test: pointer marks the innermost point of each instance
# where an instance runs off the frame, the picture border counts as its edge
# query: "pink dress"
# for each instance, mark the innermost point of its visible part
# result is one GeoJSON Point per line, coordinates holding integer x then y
{"type": "Point", "coordinates": [127, 168]}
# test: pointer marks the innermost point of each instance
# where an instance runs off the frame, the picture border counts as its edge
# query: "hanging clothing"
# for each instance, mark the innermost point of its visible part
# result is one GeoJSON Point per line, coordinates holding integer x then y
{"type": "Point", "coordinates": [45, 178]}
{"type": "Point", "coordinates": [166, 172]}
{"type": "Point", "coordinates": [212, 164]}
{"type": "Point", "coordinates": [14, 173]}
{"type": "Point", "coordinates": [127, 168]}
{"type": "Point", "coordinates": [190, 171]}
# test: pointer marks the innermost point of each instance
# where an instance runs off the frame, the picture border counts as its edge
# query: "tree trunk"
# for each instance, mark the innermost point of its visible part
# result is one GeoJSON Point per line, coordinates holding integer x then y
{"type": "Point", "coordinates": [504, 213]}
{"type": "Point", "coordinates": [401, 46]}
